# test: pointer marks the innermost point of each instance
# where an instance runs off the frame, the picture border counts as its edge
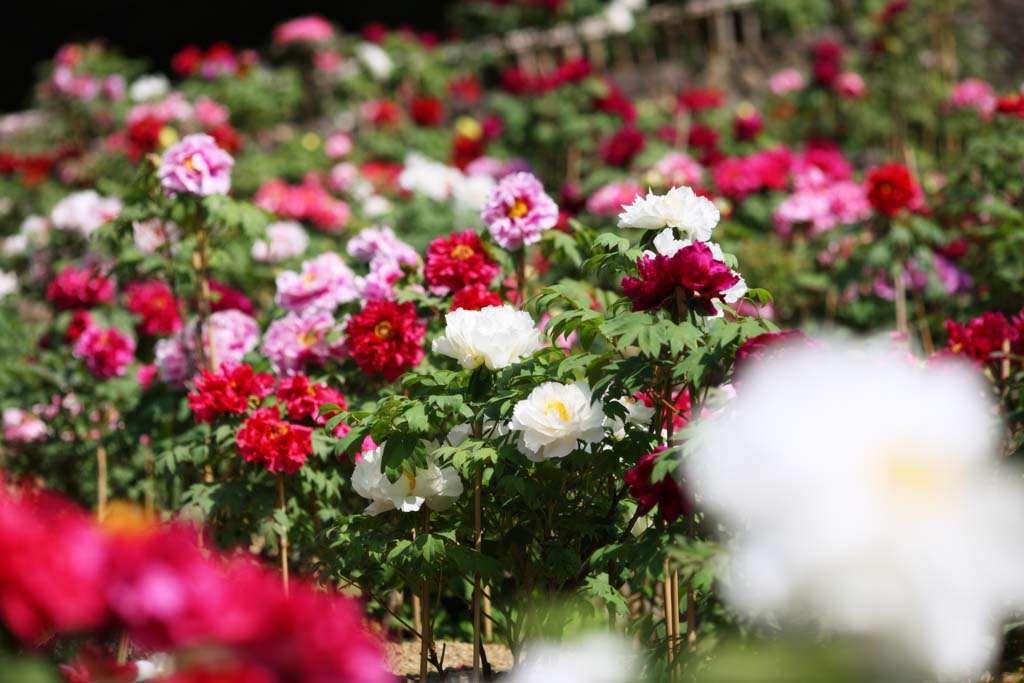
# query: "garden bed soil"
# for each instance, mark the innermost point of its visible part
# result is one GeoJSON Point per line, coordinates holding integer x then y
{"type": "Point", "coordinates": [404, 660]}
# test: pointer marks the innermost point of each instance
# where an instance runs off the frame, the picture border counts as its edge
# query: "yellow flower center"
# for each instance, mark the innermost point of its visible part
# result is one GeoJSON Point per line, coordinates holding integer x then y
{"type": "Point", "coordinates": [383, 330]}
{"type": "Point", "coordinates": [309, 278]}
{"type": "Point", "coordinates": [308, 338]}
{"type": "Point", "coordinates": [411, 478]}
{"type": "Point", "coordinates": [518, 210]}
{"type": "Point", "coordinates": [558, 407]}
{"type": "Point", "coordinates": [462, 252]}
{"type": "Point", "coordinates": [189, 165]}
{"type": "Point", "coordinates": [125, 520]}
{"type": "Point", "coordinates": [914, 478]}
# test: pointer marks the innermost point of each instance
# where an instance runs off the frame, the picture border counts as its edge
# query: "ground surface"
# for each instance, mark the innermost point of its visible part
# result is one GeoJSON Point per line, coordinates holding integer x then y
{"type": "Point", "coordinates": [404, 659]}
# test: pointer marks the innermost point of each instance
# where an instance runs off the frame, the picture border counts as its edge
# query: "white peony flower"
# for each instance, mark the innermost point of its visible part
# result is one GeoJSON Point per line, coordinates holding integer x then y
{"type": "Point", "coordinates": [149, 87]}
{"type": "Point", "coordinates": [471, 193]}
{"type": "Point", "coordinates": [595, 658]}
{"type": "Point", "coordinates": [554, 418]}
{"type": "Point", "coordinates": [376, 206]}
{"type": "Point", "coordinates": [430, 178]}
{"type": "Point", "coordinates": [679, 208]}
{"type": "Point", "coordinates": [619, 17]}
{"type": "Point", "coordinates": [157, 665]}
{"type": "Point", "coordinates": [376, 60]}
{"type": "Point", "coordinates": [434, 485]}
{"type": "Point", "coordinates": [864, 492]}
{"type": "Point", "coordinates": [637, 413]}
{"type": "Point", "coordinates": [84, 211]}
{"type": "Point", "coordinates": [15, 245]}
{"type": "Point", "coordinates": [495, 336]}
{"type": "Point", "coordinates": [285, 240]}
{"type": "Point", "coordinates": [8, 284]}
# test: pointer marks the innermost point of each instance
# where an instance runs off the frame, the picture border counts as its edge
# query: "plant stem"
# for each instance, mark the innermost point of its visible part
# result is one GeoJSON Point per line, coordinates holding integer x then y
{"type": "Point", "coordinates": [207, 356]}
{"type": "Point", "coordinates": [900, 288]}
{"type": "Point", "coordinates": [425, 636]}
{"type": "Point", "coordinates": [282, 504]}
{"type": "Point", "coordinates": [101, 482]}
{"type": "Point", "coordinates": [520, 259]}
{"type": "Point", "coordinates": [477, 543]}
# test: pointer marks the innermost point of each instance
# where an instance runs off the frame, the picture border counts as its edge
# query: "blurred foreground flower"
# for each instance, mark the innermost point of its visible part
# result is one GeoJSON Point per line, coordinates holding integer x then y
{"type": "Point", "coordinates": [883, 514]}
{"type": "Point", "coordinates": [596, 658]}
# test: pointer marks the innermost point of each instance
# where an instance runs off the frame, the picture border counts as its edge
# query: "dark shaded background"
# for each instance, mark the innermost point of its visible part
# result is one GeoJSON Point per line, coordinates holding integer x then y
{"type": "Point", "coordinates": [31, 32]}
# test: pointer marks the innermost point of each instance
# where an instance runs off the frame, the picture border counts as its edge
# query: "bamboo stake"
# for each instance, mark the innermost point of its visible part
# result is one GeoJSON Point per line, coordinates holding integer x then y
{"type": "Point", "coordinates": [477, 544]}
{"type": "Point", "coordinates": [666, 588]}
{"type": "Point", "coordinates": [675, 608]}
{"type": "Point", "coordinates": [425, 635]}
{"type": "Point", "coordinates": [1004, 369]}
{"type": "Point", "coordinates": [101, 483]}
{"type": "Point", "coordinates": [282, 504]}
{"type": "Point", "coordinates": [488, 621]}
{"type": "Point", "coordinates": [901, 300]}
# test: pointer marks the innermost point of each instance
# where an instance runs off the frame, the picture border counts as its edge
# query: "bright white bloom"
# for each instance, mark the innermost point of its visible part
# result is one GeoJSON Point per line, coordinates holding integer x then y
{"type": "Point", "coordinates": [15, 245]}
{"type": "Point", "coordinates": [637, 413]}
{"type": "Point", "coordinates": [679, 208]}
{"type": "Point", "coordinates": [376, 60]}
{"type": "Point", "coordinates": [595, 658]}
{"type": "Point", "coordinates": [8, 284]}
{"type": "Point", "coordinates": [376, 206]}
{"type": "Point", "coordinates": [149, 87]}
{"type": "Point", "coordinates": [434, 485]}
{"type": "Point", "coordinates": [84, 211]}
{"type": "Point", "coordinates": [619, 17]}
{"type": "Point", "coordinates": [554, 418]}
{"type": "Point", "coordinates": [152, 234]}
{"type": "Point", "coordinates": [33, 232]}
{"type": "Point", "coordinates": [495, 336]}
{"type": "Point", "coordinates": [490, 429]}
{"type": "Point", "coordinates": [667, 244]}
{"type": "Point", "coordinates": [285, 240]}
{"type": "Point", "coordinates": [157, 665]}
{"type": "Point", "coordinates": [428, 177]}
{"type": "Point", "coordinates": [864, 492]}
{"type": "Point", "coordinates": [471, 193]}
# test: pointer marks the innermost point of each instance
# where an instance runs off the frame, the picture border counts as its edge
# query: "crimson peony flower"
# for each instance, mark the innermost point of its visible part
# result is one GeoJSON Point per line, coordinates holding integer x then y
{"type": "Point", "coordinates": [756, 349]}
{"type": "Point", "coordinates": [697, 100]}
{"type": "Point", "coordinates": [278, 445]}
{"type": "Point", "coordinates": [475, 297]}
{"type": "Point", "coordinates": [748, 123]}
{"type": "Point", "coordinates": [622, 146]}
{"type": "Point", "coordinates": [694, 270]}
{"type": "Point", "coordinates": [154, 302]}
{"type": "Point", "coordinates": [302, 399]}
{"type": "Point", "coordinates": [226, 137]}
{"type": "Point", "coordinates": [229, 390]}
{"type": "Point", "coordinates": [827, 58]}
{"type": "Point", "coordinates": [385, 337]}
{"type": "Point", "coordinates": [186, 62]}
{"type": "Point", "coordinates": [467, 88]}
{"type": "Point", "coordinates": [892, 189]}
{"type": "Point", "coordinates": [985, 336]}
{"type": "Point", "coordinates": [666, 494]}
{"type": "Point", "coordinates": [426, 110]}
{"type": "Point", "coordinates": [458, 261]}
{"type": "Point", "coordinates": [702, 137]}
{"type": "Point", "coordinates": [614, 101]}
{"type": "Point", "coordinates": [81, 320]}
{"type": "Point", "coordinates": [106, 352]}
{"type": "Point", "coordinates": [79, 288]}
{"type": "Point", "coordinates": [226, 298]}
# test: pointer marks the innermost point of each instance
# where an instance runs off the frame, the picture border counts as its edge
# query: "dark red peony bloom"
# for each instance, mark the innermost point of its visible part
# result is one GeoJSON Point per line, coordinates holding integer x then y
{"type": "Point", "coordinates": [622, 146]}
{"type": "Point", "coordinates": [385, 337]}
{"type": "Point", "coordinates": [697, 100]}
{"type": "Point", "coordinates": [466, 149]}
{"type": "Point", "coordinates": [226, 137]}
{"type": "Point", "coordinates": [475, 297]}
{"type": "Point", "coordinates": [681, 412]}
{"type": "Point", "coordinates": [155, 304]}
{"type": "Point", "coordinates": [702, 137]}
{"type": "Point", "coordinates": [81, 320]}
{"type": "Point", "coordinates": [827, 61]}
{"type": "Point", "coordinates": [79, 288]}
{"type": "Point", "coordinates": [374, 32]}
{"type": "Point", "coordinates": [229, 390]}
{"type": "Point", "coordinates": [187, 61]}
{"type": "Point", "coordinates": [748, 124]}
{"type": "Point", "coordinates": [763, 346]}
{"type": "Point", "coordinates": [143, 136]}
{"type": "Point", "coordinates": [1011, 104]}
{"type": "Point", "coordinates": [458, 261]}
{"type": "Point", "coordinates": [426, 110]}
{"type": "Point", "coordinates": [666, 494]}
{"type": "Point", "coordinates": [225, 298]}
{"type": "Point", "coordinates": [984, 336]}
{"type": "Point", "coordinates": [278, 445]}
{"type": "Point", "coordinates": [891, 189]}
{"type": "Point", "coordinates": [614, 101]}
{"type": "Point", "coordinates": [467, 88]}
{"type": "Point", "coordinates": [693, 269]}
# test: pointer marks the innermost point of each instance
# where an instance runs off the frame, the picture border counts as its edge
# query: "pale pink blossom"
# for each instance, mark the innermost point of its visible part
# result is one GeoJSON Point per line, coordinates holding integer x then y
{"type": "Point", "coordinates": [196, 166]}
{"type": "Point", "coordinates": [609, 199]}
{"type": "Point", "coordinates": [323, 283]}
{"type": "Point", "coordinates": [295, 341]}
{"type": "Point", "coordinates": [786, 81]}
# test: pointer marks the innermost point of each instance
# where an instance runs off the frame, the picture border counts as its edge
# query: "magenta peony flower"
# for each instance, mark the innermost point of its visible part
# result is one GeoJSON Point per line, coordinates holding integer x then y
{"type": "Point", "coordinates": [107, 352]}
{"type": "Point", "coordinates": [518, 211]}
{"type": "Point", "coordinates": [324, 282]}
{"type": "Point", "coordinates": [693, 269]}
{"type": "Point", "coordinates": [196, 166]}
{"type": "Point", "coordinates": [976, 94]}
{"type": "Point", "coordinates": [373, 243]}
{"type": "Point", "coordinates": [308, 29]}
{"type": "Point", "coordinates": [294, 341]}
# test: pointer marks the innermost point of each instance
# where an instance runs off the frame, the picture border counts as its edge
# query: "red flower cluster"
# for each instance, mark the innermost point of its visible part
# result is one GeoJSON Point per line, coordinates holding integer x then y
{"type": "Point", "coordinates": [704, 139]}
{"type": "Point", "coordinates": [985, 338]}
{"type": "Point", "coordinates": [303, 400]}
{"type": "Point", "coordinates": [426, 110]}
{"type": "Point", "coordinates": [519, 82]}
{"type": "Point", "coordinates": [155, 304]}
{"type": "Point", "coordinates": [693, 269]}
{"type": "Point", "coordinates": [308, 201]}
{"type": "Point", "coordinates": [892, 189]}
{"type": "Point", "coordinates": [279, 445]}
{"type": "Point", "coordinates": [666, 494]}
{"type": "Point", "coordinates": [1012, 104]}
{"type": "Point", "coordinates": [699, 100]}
{"type": "Point", "coordinates": [614, 101]}
{"type": "Point", "coordinates": [106, 352]}
{"type": "Point", "coordinates": [458, 261]}
{"type": "Point", "coordinates": [737, 177]}
{"type": "Point", "coordinates": [385, 337]}
{"type": "Point", "coordinates": [225, 298]}
{"type": "Point", "coordinates": [748, 123]}
{"type": "Point", "coordinates": [466, 88]}
{"type": "Point", "coordinates": [766, 345]}
{"type": "Point", "coordinates": [220, 59]}
{"type": "Point", "coordinates": [81, 320]}
{"type": "Point", "coordinates": [827, 61]}
{"type": "Point", "coordinates": [79, 288]}
{"type": "Point", "coordinates": [229, 390]}
{"type": "Point", "coordinates": [622, 146]}
{"type": "Point", "coordinates": [681, 413]}
{"type": "Point", "coordinates": [475, 297]}
{"type": "Point", "coordinates": [61, 574]}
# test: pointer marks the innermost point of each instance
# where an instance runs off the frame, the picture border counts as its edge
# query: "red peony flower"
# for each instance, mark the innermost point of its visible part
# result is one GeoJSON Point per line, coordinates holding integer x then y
{"type": "Point", "coordinates": [475, 297]}
{"type": "Point", "coordinates": [81, 320]}
{"type": "Point", "coordinates": [226, 137]}
{"type": "Point", "coordinates": [756, 349]}
{"type": "Point", "coordinates": [984, 337]}
{"type": "Point", "coordinates": [426, 110]}
{"type": "Point", "coordinates": [827, 58]}
{"type": "Point", "coordinates": [154, 302]}
{"type": "Point", "coordinates": [106, 352]}
{"type": "Point", "coordinates": [278, 445]}
{"type": "Point", "coordinates": [892, 189]}
{"type": "Point", "coordinates": [229, 390]}
{"type": "Point", "coordinates": [622, 146]}
{"type": "Point", "coordinates": [680, 415]}
{"type": "Point", "coordinates": [702, 137]}
{"type": "Point", "coordinates": [666, 494]}
{"type": "Point", "coordinates": [748, 124]}
{"type": "Point", "coordinates": [302, 399]}
{"type": "Point", "coordinates": [697, 100]}
{"type": "Point", "coordinates": [458, 261]}
{"type": "Point", "coordinates": [693, 269]}
{"type": "Point", "coordinates": [144, 136]}
{"type": "Point", "coordinates": [385, 337]}
{"type": "Point", "coordinates": [186, 62]}
{"type": "Point", "coordinates": [466, 88]}
{"type": "Point", "coordinates": [614, 101]}
{"type": "Point", "coordinates": [225, 298]}
{"type": "Point", "coordinates": [79, 289]}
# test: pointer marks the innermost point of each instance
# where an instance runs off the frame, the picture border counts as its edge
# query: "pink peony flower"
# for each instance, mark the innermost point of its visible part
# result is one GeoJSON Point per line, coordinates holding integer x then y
{"type": "Point", "coordinates": [518, 211]}
{"type": "Point", "coordinates": [674, 170]}
{"type": "Point", "coordinates": [308, 29]}
{"type": "Point", "coordinates": [323, 284]}
{"type": "Point", "coordinates": [22, 426]}
{"type": "Point", "coordinates": [379, 282]}
{"type": "Point", "coordinates": [285, 240]}
{"type": "Point", "coordinates": [338, 145]}
{"type": "Point", "coordinates": [211, 114]}
{"type": "Point", "coordinates": [786, 81]}
{"type": "Point", "coordinates": [85, 211]}
{"type": "Point", "coordinates": [976, 94]}
{"type": "Point", "coordinates": [196, 166]}
{"type": "Point", "coordinates": [154, 233]}
{"type": "Point", "coordinates": [229, 335]}
{"type": "Point", "coordinates": [107, 352]}
{"type": "Point", "coordinates": [171, 358]}
{"type": "Point", "coordinates": [293, 342]}
{"type": "Point", "coordinates": [609, 199]}
{"type": "Point", "coordinates": [822, 208]}
{"type": "Point", "coordinates": [850, 84]}
{"type": "Point", "coordinates": [342, 176]}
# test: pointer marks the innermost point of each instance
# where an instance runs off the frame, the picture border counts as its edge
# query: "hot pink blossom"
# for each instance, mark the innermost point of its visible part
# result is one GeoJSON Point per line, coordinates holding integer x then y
{"type": "Point", "coordinates": [609, 199]}
{"type": "Point", "coordinates": [107, 352]}
{"type": "Point", "coordinates": [308, 29]}
{"type": "Point", "coordinates": [518, 211]}
{"type": "Point", "coordinates": [976, 94]}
